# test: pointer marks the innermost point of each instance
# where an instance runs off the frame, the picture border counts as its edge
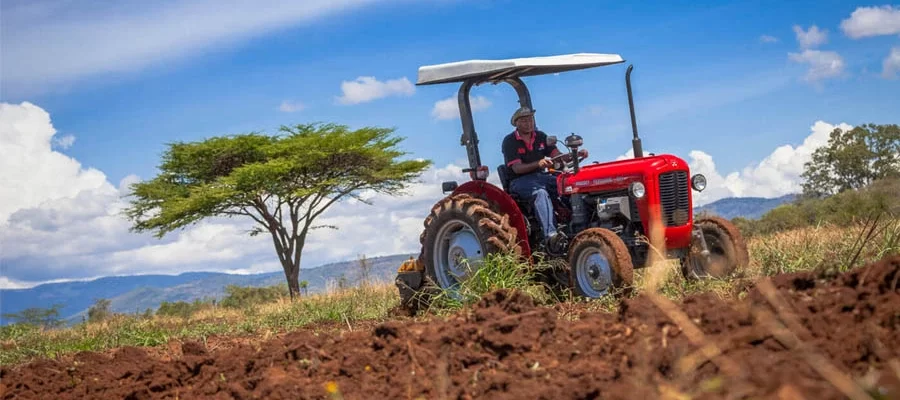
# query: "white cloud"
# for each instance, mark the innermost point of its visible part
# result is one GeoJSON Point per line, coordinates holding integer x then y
{"type": "Point", "coordinates": [449, 108]}
{"type": "Point", "coordinates": [64, 142]}
{"type": "Point", "coordinates": [60, 220]}
{"type": "Point", "coordinates": [6, 283]}
{"type": "Point", "coordinates": [367, 88]}
{"type": "Point", "coordinates": [813, 37]}
{"type": "Point", "coordinates": [291, 106]}
{"type": "Point", "coordinates": [207, 242]}
{"type": "Point", "coordinates": [891, 64]}
{"type": "Point", "coordinates": [52, 43]}
{"type": "Point", "coordinates": [822, 64]}
{"type": "Point", "coordinates": [768, 39]}
{"type": "Point", "coordinates": [33, 173]}
{"type": "Point", "coordinates": [779, 173]}
{"type": "Point", "coordinates": [872, 21]}
{"type": "Point", "coordinates": [776, 175]}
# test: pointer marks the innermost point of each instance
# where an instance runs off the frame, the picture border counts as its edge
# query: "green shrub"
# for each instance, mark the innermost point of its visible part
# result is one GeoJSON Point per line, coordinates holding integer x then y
{"type": "Point", "coordinates": [183, 309]}
{"type": "Point", "coordinates": [843, 209]}
{"type": "Point", "coordinates": [242, 297]}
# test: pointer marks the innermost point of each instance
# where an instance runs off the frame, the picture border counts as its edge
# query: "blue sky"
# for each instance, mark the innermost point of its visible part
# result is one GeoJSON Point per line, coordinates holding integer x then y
{"type": "Point", "coordinates": [714, 81]}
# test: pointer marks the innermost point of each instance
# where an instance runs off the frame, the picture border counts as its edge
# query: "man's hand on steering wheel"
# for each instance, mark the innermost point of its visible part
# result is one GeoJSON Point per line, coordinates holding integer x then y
{"type": "Point", "coordinates": [563, 161]}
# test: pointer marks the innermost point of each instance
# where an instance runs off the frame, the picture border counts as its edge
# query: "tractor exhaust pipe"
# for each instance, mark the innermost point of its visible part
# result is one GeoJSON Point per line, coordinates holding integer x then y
{"type": "Point", "coordinates": [636, 142]}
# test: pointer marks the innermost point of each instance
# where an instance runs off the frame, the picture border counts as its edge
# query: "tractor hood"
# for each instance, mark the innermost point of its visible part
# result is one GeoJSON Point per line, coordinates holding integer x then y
{"type": "Point", "coordinates": [613, 175]}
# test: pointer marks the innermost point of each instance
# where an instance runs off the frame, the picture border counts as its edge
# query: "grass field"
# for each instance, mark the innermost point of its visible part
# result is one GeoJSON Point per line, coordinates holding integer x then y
{"type": "Point", "coordinates": [823, 248]}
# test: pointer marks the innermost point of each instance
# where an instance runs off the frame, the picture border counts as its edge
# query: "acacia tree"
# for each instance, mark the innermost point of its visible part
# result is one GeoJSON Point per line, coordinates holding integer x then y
{"type": "Point", "coordinates": [853, 159]}
{"type": "Point", "coordinates": [35, 316]}
{"type": "Point", "coordinates": [281, 182]}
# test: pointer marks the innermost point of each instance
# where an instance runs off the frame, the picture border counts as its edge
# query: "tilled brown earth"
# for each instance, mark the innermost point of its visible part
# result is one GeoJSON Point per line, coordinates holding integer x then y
{"type": "Point", "coordinates": [829, 339]}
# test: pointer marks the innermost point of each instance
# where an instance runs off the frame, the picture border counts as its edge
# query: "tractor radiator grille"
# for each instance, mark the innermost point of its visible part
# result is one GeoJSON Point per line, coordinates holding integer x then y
{"type": "Point", "coordinates": [673, 195]}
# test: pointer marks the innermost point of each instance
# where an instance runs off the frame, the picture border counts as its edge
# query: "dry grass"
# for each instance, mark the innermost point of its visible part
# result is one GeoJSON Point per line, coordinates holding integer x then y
{"type": "Point", "coordinates": [371, 302]}
{"type": "Point", "coordinates": [824, 247]}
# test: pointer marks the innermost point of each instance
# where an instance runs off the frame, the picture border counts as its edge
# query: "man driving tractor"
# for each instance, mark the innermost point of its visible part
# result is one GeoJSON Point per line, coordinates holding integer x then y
{"type": "Point", "coordinates": [526, 152]}
{"type": "Point", "coordinates": [604, 212]}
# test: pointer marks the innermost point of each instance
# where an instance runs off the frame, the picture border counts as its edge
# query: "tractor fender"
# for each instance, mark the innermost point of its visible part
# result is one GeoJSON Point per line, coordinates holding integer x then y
{"type": "Point", "coordinates": [493, 194]}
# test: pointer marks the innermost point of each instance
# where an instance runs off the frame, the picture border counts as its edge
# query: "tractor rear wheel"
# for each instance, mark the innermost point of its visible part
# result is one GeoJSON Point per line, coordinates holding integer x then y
{"type": "Point", "coordinates": [599, 264]}
{"type": "Point", "coordinates": [460, 231]}
{"type": "Point", "coordinates": [727, 250]}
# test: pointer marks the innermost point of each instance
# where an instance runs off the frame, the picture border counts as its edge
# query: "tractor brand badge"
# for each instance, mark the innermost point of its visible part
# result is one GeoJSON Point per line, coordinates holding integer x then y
{"type": "Point", "coordinates": [604, 181]}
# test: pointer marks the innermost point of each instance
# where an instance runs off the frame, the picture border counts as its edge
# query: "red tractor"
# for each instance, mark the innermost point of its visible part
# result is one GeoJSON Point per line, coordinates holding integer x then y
{"type": "Point", "coordinates": [605, 211]}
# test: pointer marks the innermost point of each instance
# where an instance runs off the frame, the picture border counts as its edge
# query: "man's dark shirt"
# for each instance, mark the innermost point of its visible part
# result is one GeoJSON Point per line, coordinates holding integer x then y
{"type": "Point", "coordinates": [516, 150]}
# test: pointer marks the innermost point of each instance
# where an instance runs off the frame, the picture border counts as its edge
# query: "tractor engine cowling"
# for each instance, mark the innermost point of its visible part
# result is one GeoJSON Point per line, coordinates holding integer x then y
{"type": "Point", "coordinates": [603, 210]}
{"type": "Point", "coordinates": [613, 207]}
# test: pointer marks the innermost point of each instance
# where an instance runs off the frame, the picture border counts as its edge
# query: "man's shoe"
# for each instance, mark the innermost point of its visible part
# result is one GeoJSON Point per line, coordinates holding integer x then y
{"type": "Point", "coordinates": [556, 242]}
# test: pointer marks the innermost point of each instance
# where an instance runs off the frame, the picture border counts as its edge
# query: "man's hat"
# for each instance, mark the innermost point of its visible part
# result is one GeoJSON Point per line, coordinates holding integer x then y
{"type": "Point", "coordinates": [521, 112]}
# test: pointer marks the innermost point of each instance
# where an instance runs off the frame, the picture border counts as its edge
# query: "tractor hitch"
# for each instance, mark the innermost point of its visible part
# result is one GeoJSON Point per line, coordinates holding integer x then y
{"type": "Point", "coordinates": [409, 281]}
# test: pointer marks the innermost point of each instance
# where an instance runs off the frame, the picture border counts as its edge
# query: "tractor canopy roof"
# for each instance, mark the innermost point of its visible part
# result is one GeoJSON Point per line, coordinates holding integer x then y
{"type": "Point", "coordinates": [498, 70]}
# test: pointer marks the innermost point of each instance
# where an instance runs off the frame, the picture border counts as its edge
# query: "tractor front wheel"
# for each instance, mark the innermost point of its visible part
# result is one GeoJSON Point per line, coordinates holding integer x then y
{"type": "Point", "coordinates": [599, 264]}
{"type": "Point", "coordinates": [727, 250]}
{"type": "Point", "coordinates": [460, 231]}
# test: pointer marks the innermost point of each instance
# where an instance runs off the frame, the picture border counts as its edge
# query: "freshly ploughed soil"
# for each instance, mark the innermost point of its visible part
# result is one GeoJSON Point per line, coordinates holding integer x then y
{"type": "Point", "coordinates": [825, 338]}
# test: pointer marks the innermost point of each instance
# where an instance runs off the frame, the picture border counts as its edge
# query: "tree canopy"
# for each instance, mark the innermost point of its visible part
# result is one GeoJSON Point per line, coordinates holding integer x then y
{"type": "Point", "coordinates": [35, 316]}
{"type": "Point", "coordinates": [853, 159]}
{"type": "Point", "coordinates": [282, 182]}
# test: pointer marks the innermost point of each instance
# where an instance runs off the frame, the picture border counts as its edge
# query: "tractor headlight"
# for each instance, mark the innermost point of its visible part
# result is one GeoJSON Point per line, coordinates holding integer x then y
{"type": "Point", "coordinates": [698, 182]}
{"type": "Point", "coordinates": [637, 190]}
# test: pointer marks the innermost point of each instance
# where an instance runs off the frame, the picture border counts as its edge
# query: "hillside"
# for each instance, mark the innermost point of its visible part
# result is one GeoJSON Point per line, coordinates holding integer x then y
{"type": "Point", "coordinates": [129, 294]}
{"type": "Point", "coordinates": [745, 207]}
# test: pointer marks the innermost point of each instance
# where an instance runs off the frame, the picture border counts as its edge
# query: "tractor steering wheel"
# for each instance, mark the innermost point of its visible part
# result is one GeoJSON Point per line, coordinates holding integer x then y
{"type": "Point", "coordinates": [563, 162]}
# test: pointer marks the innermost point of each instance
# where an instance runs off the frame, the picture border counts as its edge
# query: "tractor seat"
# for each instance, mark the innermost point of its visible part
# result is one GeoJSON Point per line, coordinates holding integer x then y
{"type": "Point", "coordinates": [504, 173]}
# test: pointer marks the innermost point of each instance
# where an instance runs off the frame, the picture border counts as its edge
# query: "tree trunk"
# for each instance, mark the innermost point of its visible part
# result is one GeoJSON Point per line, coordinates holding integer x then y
{"type": "Point", "coordinates": [294, 281]}
{"type": "Point", "coordinates": [292, 274]}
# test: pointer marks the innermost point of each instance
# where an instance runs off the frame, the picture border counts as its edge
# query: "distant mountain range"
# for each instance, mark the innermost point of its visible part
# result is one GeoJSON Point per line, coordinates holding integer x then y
{"type": "Point", "coordinates": [746, 207]}
{"type": "Point", "coordinates": [130, 294]}
{"type": "Point", "coordinates": [136, 293]}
